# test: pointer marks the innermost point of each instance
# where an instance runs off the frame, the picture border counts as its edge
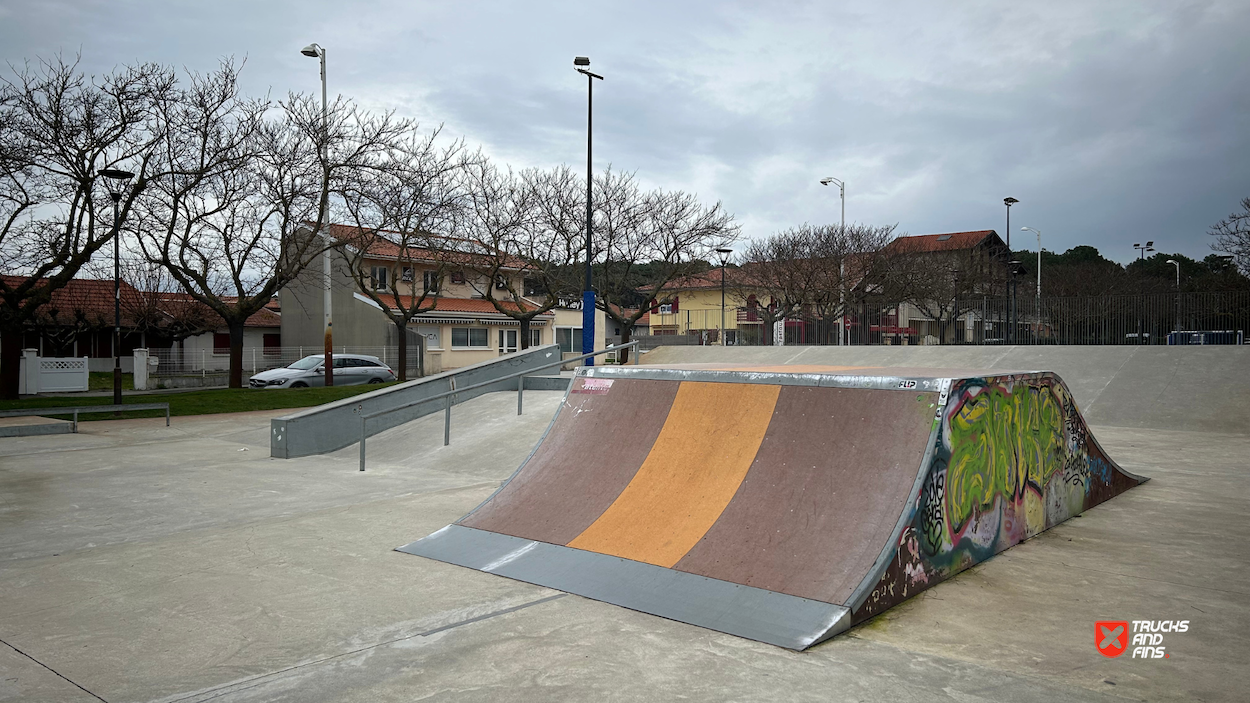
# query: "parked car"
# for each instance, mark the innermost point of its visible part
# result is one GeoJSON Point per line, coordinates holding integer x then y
{"type": "Point", "coordinates": [349, 369]}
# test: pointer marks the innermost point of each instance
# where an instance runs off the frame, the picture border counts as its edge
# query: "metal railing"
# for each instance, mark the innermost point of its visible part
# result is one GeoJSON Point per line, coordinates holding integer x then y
{"type": "Point", "coordinates": [75, 409]}
{"type": "Point", "coordinates": [1122, 319]}
{"type": "Point", "coordinates": [449, 396]}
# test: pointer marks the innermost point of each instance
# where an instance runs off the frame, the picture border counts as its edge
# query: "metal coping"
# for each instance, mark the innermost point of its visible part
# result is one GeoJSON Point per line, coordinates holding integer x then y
{"type": "Point", "coordinates": [824, 380]}
{"type": "Point", "coordinates": [744, 611]}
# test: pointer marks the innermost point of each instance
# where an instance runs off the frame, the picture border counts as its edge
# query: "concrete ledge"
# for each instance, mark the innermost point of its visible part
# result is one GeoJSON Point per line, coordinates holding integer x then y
{"type": "Point", "coordinates": [547, 383]}
{"type": "Point", "coordinates": [333, 426]}
{"type": "Point", "coordinates": [35, 426]}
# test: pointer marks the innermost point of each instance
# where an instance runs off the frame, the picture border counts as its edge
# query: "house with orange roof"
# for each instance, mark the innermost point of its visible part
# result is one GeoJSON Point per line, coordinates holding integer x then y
{"type": "Point", "coordinates": [456, 324]}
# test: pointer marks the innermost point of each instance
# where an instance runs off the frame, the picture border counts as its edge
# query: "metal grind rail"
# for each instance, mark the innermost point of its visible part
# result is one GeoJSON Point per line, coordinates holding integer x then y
{"type": "Point", "coordinates": [75, 409]}
{"type": "Point", "coordinates": [447, 397]}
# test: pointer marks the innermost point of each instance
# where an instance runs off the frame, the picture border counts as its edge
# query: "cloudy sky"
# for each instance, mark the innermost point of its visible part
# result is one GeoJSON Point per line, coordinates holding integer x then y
{"type": "Point", "coordinates": [1111, 122]}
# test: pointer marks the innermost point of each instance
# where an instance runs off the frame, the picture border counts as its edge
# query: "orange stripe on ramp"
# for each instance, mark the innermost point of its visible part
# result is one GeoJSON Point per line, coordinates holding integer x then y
{"type": "Point", "coordinates": [693, 470]}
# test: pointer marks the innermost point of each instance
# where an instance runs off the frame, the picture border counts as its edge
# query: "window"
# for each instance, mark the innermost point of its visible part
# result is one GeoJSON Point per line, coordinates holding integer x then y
{"type": "Point", "coordinates": [536, 337]}
{"type": "Point", "coordinates": [407, 275]}
{"type": "Point", "coordinates": [378, 277]}
{"type": "Point", "coordinates": [507, 341]}
{"type": "Point", "coordinates": [665, 309]}
{"type": "Point", "coordinates": [501, 283]}
{"type": "Point", "coordinates": [457, 277]}
{"type": "Point", "coordinates": [430, 280]}
{"type": "Point", "coordinates": [340, 362]}
{"type": "Point", "coordinates": [569, 339]}
{"type": "Point", "coordinates": [272, 344]}
{"type": "Point", "coordinates": [470, 337]}
{"type": "Point", "coordinates": [221, 343]}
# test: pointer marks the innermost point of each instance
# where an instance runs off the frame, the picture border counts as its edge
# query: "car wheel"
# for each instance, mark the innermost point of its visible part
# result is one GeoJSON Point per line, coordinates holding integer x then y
{"type": "Point", "coordinates": [375, 379]}
{"type": "Point", "coordinates": [299, 384]}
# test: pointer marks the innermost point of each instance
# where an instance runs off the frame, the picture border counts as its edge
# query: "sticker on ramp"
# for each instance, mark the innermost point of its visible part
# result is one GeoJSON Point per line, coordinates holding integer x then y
{"type": "Point", "coordinates": [594, 386]}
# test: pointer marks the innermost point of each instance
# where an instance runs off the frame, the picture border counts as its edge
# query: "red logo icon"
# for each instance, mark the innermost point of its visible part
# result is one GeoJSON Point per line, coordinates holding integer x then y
{"type": "Point", "coordinates": [1111, 637]}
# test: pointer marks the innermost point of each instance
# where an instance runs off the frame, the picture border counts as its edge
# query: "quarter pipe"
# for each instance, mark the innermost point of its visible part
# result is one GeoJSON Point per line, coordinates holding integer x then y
{"type": "Point", "coordinates": [785, 503]}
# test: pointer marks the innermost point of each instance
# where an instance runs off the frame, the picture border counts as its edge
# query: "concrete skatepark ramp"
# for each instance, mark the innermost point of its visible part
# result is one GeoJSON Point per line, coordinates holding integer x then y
{"type": "Point", "coordinates": [782, 503]}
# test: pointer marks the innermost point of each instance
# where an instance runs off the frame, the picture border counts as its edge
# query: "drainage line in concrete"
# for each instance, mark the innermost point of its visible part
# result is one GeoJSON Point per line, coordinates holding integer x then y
{"type": "Point", "coordinates": [238, 686]}
{"type": "Point", "coordinates": [59, 674]}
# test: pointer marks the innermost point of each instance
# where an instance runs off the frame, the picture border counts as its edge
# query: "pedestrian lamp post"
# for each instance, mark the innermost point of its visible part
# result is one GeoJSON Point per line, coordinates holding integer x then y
{"type": "Point", "coordinates": [116, 182]}
{"type": "Point", "coordinates": [1038, 232]}
{"type": "Point", "coordinates": [316, 51]}
{"type": "Point", "coordinates": [1141, 286]}
{"type": "Point", "coordinates": [1011, 289]}
{"type": "Point", "coordinates": [582, 65]}
{"type": "Point", "coordinates": [1177, 325]}
{"type": "Point", "coordinates": [723, 253]}
{"type": "Point", "coordinates": [828, 180]}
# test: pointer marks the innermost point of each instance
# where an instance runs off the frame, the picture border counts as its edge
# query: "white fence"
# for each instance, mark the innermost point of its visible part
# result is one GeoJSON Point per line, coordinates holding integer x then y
{"type": "Point", "coordinates": [178, 362]}
{"type": "Point", "coordinates": [52, 374]}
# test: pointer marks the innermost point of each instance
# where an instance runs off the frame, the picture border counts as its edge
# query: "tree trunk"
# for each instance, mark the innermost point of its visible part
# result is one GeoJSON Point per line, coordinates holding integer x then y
{"type": "Point", "coordinates": [623, 355]}
{"type": "Point", "coordinates": [10, 361]}
{"type": "Point", "coordinates": [524, 341]}
{"type": "Point", "coordinates": [236, 353]}
{"type": "Point", "coordinates": [402, 326]}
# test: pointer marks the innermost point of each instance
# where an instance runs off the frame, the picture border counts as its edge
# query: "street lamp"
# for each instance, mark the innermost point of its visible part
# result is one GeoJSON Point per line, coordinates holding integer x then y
{"type": "Point", "coordinates": [841, 192]}
{"type": "Point", "coordinates": [1011, 292]}
{"type": "Point", "coordinates": [1177, 264]}
{"type": "Point", "coordinates": [723, 253]}
{"type": "Point", "coordinates": [842, 264]}
{"type": "Point", "coordinates": [316, 51]}
{"type": "Point", "coordinates": [1141, 286]}
{"type": "Point", "coordinates": [582, 65]}
{"type": "Point", "coordinates": [1039, 258]}
{"type": "Point", "coordinates": [116, 183]}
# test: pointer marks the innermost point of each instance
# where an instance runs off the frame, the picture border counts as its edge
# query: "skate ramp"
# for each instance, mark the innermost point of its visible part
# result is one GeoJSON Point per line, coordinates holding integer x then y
{"type": "Point", "coordinates": [782, 504]}
{"type": "Point", "coordinates": [1190, 388]}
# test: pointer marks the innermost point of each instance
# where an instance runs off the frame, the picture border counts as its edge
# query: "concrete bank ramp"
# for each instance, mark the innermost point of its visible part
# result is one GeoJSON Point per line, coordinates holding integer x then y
{"type": "Point", "coordinates": [1198, 388]}
{"type": "Point", "coordinates": [782, 504]}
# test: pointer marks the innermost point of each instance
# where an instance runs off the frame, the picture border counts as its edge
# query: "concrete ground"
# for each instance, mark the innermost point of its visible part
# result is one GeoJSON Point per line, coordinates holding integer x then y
{"type": "Point", "coordinates": [145, 563]}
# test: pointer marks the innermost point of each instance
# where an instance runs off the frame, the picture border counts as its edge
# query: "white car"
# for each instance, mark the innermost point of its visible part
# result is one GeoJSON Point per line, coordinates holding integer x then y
{"type": "Point", "coordinates": [349, 369]}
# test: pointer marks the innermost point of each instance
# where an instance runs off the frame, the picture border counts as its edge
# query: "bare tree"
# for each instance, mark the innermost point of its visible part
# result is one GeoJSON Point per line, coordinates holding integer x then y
{"type": "Point", "coordinates": [777, 277]}
{"type": "Point", "coordinates": [58, 129]}
{"type": "Point", "coordinates": [648, 240]}
{"type": "Point", "coordinates": [405, 211]}
{"type": "Point", "coordinates": [844, 261]}
{"type": "Point", "coordinates": [934, 282]}
{"type": "Point", "coordinates": [243, 211]}
{"type": "Point", "coordinates": [1232, 236]}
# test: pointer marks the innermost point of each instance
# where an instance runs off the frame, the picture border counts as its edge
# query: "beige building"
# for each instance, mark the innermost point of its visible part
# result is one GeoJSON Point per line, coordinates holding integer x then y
{"type": "Point", "coordinates": [459, 326]}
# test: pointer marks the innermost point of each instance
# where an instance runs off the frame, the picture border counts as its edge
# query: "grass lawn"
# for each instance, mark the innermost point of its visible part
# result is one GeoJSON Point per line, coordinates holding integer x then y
{"type": "Point", "coordinates": [220, 400]}
{"type": "Point", "coordinates": [103, 381]}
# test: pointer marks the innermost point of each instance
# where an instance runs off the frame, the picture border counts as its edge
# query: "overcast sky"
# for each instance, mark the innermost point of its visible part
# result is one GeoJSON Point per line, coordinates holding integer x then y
{"type": "Point", "coordinates": [1111, 122]}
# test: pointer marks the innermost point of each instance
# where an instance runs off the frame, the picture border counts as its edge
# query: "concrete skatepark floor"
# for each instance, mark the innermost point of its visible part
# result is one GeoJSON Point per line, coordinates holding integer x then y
{"type": "Point", "coordinates": [144, 563]}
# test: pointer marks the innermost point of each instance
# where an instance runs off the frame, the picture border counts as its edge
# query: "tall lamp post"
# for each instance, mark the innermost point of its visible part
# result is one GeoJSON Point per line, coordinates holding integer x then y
{"type": "Point", "coordinates": [723, 253]}
{"type": "Point", "coordinates": [582, 65]}
{"type": "Point", "coordinates": [827, 180]}
{"type": "Point", "coordinates": [1141, 286]}
{"type": "Point", "coordinates": [1011, 291]}
{"type": "Point", "coordinates": [116, 184]}
{"type": "Point", "coordinates": [316, 51]}
{"type": "Point", "coordinates": [1177, 326]}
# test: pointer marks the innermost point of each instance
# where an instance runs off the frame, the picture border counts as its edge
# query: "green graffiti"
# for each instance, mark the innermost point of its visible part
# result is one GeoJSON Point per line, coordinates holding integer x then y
{"type": "Point", "coordinates": [1002, 439]}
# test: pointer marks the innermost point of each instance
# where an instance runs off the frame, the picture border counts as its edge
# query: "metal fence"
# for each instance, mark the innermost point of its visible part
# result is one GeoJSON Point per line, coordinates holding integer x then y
{"type": "Point", "coordinates": [1111, 319]}
{"type": "Point", "coordinates": [203, 361]}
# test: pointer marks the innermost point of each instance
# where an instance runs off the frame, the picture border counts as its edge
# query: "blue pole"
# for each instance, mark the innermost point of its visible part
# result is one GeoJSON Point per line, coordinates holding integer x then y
{"type": "Point", "coordinates": [588, 292]}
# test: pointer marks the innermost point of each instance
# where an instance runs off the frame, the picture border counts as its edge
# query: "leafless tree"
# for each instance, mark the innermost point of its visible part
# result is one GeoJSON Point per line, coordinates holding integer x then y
{"type": "Point", "coordinates": [405, 212]}
{"type": "Point", "coordinates": [58, 129]}
{"type": "Point", "coordinates": [647, 240]}
{"type": "Point", "coordinates": [777, 277]}
{"type": "Point", "coordinates": [524, 223]}
{"type": "Point", "coordinates": [845, 261]}
{"type": "Point", "coordinates": [1232, 236]}
{"type": "Point", "coordinates": [934, 282]}
{"type": "Point", "coordinates": [250, 193]}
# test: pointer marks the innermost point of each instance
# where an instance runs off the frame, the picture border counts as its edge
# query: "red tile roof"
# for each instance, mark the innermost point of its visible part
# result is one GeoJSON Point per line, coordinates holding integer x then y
{"type": "Point", "coordinates": [461, 252]}
{"type": "Point", "coordinates": [954, 241]}
{"type": "Point", "coordinates": [477, 306]}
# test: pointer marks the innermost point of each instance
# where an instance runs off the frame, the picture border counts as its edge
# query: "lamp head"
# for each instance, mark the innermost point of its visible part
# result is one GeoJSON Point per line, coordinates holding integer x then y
{"type": "Point", "coordinates": [1150, 244]}
{"type": "Point", "coordinates": [1009, 201]}
{"type": "Point", "coordinates": [314, 50]}
{"type": "Point", "coordinates": [1136, 245]}
{"type": "Point", "coordinates": [116, 174]}
{"type": "Point", "coordinates": [826, 181]}
{"type": "Point", "coordinates": [581, 62]}
{"type": "Point", "coordinates": [1173, 261]}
